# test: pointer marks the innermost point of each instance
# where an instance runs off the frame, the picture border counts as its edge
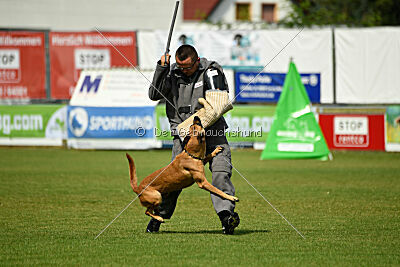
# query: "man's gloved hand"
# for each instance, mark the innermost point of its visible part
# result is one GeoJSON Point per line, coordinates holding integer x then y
{"type": "Point", "coordinates": [214, 106]}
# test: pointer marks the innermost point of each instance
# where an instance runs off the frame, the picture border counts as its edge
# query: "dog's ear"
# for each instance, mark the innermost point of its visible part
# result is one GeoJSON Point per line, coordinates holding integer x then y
{"type": "Point", "coordinates": [197, 121]}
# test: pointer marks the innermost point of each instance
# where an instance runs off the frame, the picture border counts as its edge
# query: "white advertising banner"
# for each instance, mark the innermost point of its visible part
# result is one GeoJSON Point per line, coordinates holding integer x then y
{"type": "Point", "coordinates": [113, 88]}
{"type": "Point", "coordinates": [368, 65]}
{"type": "Point", "coordinates": [311, 50]}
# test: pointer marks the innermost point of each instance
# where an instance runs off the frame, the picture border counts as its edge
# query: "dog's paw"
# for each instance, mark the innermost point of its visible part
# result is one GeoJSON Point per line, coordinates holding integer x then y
{"type": "Point", "coordinates": [159, 218]}
{"type": "Point", "coordinates": [235, 199]}
{"type": "Point", "coordinates": [218, 150]}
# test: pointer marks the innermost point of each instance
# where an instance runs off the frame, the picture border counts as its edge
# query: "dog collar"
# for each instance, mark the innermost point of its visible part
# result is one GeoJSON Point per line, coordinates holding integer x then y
{"type": "Point", "coordinates": [193, 156]}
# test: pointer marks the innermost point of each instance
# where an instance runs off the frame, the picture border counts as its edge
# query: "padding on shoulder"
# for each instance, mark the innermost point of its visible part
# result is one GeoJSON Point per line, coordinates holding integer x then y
{"type": "Point", "coordinates": [215, 79]}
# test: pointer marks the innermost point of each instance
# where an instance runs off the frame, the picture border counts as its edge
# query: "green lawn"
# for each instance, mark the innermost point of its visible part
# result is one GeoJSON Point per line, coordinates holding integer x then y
{"type": "Point", "coordinates": [54, 202]}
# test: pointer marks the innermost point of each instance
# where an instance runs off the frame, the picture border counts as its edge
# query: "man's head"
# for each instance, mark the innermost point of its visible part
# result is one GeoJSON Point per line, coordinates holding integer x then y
{"type": "Point", "coordinates": [187, 59]}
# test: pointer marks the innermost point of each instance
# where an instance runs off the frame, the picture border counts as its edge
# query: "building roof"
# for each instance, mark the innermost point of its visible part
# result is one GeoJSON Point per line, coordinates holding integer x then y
{"type": "Point", "coordinates": [198, 10]}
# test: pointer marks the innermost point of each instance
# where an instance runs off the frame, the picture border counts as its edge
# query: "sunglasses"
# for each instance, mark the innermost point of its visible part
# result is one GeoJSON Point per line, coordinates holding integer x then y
{"type": "Point", "coordinates": [187, 68]}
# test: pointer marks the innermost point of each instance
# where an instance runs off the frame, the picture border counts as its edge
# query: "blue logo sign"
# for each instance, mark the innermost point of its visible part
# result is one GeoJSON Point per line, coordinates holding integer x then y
{"type": "Point", "coordinates": [77, 121]}
{"type": "Point", "coordinates": [267, 87]}
{"type": "Point", "coordinates": [110, 122]}
{"type": "Point", "coordinates": [88, 84]}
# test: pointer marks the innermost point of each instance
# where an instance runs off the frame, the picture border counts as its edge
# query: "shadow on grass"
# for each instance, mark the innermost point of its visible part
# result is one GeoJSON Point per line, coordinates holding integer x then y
{"type": "Point", "coordinates": [237, 232]}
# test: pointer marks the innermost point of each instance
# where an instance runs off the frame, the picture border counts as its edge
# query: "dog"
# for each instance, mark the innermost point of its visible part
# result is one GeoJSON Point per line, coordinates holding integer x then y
{"type": "Point", "coordinates": [185, 170]}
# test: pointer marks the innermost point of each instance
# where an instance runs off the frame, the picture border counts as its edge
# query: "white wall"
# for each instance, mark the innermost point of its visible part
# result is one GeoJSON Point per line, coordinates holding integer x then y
{"type": "Point", "coordinates": [85, 15]}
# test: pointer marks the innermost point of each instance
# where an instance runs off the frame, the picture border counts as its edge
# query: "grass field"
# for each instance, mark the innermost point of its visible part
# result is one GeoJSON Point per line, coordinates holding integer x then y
{"type": "Point", "coordinates": [54, 202]}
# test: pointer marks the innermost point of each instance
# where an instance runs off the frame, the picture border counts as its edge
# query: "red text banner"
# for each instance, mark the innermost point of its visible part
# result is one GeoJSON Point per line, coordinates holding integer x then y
{"type": "Point", "coordinates": [70, 53]}
{"type": "Point", "coordinates": [353, 131]}
{"type": "Point", "coordinates": [22, 65]}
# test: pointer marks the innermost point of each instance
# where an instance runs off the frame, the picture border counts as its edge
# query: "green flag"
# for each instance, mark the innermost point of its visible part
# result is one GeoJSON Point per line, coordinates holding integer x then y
{"type": "Point", "coordinates": [294, 132]}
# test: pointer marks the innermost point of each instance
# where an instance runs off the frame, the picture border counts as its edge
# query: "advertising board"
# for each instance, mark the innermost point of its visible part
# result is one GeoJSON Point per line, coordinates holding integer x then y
{"type": "Point", "coordinates": [72, 52]}
{"type": "Point", "coordinates": [111, 127]}
{"type": "Point", "coordinates": [253, 86]}
{"type": "Point", "coordinates": [33, 125]}
{"type": "Point", "coordinates": [393, 128]}
{"type": "Point", "coordinates": [353, 131]}
{"type": "Point", "coordinates": [113, 88]}
{"type": "Point", "coordinates": [110, 109]}
{"type": "Point", "coordinates": [22, 65]}
{"type": "Point", "coordinates": [107, 122]}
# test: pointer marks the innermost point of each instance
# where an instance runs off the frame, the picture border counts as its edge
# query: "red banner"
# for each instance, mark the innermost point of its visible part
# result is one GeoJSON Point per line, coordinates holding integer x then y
{"type": "Point", "coordinates": [72, 52]}
{"type": "Point", "coordinates": [353, 131]}
{"type": "Point", "coordinates": [22, 65]}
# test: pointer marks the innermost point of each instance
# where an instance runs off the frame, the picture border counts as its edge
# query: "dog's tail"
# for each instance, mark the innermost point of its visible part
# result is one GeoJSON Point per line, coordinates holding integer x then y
{"type": "Point", "coordinates": [132, 172]}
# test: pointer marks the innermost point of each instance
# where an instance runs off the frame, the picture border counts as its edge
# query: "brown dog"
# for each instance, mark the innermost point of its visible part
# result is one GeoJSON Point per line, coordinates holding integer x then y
{"type": "Point", "coordinates": [186, 169]}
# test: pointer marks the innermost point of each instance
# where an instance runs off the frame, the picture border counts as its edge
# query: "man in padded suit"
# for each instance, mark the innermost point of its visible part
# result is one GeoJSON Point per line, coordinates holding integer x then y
{"type": "Point", "coordinates": [182, 84]}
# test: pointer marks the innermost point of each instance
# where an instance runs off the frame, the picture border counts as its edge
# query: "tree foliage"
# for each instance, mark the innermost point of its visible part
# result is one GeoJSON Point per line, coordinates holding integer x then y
{"type": "Point", "coordinates": [343, 12]}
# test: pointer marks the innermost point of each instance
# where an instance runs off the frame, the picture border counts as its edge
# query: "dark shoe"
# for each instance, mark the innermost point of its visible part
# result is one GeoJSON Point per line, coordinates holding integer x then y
{"type": "Point", "coordinates": [153, 226]}
{"type": "Point", "coordinates": [229, 223]}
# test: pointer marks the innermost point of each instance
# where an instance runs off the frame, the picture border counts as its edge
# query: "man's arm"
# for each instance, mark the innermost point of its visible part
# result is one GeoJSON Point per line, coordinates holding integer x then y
{"type": "Point", "coordinates": [161, 84]}
{"type": "Point", "coordinates": [215, 104]}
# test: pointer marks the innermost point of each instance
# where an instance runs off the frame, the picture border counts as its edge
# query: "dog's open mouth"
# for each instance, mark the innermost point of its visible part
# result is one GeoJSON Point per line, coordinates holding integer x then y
{"type": "Point", "coordinates": [202, 136]}
{"type": "Point", "coordinates": [199, 134]}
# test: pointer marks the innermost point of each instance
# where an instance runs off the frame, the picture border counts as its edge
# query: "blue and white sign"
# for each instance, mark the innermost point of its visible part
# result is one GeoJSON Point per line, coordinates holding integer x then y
{"type": "Point", "coordinates": [112, 88]}
{"type": "Point", "coordinates": [110, 122]}
{"type": "Point", "coordinates": [267, 87]}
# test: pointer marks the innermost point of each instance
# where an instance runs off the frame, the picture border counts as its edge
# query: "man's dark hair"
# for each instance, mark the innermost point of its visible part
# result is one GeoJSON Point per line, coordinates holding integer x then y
{"type": "Point", "coordinates": [185, 51]}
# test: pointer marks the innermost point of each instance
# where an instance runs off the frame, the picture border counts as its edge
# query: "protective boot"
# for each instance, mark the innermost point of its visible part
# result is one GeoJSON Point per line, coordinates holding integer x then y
{"type": "Point", "coordinates": [153, 226]}
{"type": "Point", "coordinates": [229, 221]}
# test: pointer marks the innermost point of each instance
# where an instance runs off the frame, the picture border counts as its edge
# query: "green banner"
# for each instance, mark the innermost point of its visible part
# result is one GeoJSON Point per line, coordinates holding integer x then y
{"type": "Point", "coordinates": [393, 124]}
{"type": "Point", "coordinates": [37, 121]}
{"type": "Point", "coordinates": [247, 123]}
{"type": "Point", "coordinates": [295, 132]}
